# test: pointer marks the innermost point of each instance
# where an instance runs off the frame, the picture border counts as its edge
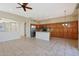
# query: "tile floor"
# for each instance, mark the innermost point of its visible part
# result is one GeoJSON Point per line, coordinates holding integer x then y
{"type": "Point", "coordinates": [36, 47]}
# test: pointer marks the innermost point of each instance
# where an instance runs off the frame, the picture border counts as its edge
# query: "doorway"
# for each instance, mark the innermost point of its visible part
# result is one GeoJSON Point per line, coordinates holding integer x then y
{"type": "Point", "coordinates": [33, 31]}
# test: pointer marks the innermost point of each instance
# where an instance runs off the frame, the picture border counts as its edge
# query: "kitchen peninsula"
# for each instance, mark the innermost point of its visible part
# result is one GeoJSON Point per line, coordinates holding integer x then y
{"type": "Point", "coordinates": [43, 35]}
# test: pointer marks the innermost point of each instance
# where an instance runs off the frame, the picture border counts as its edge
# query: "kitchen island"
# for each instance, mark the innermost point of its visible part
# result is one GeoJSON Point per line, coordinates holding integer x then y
{"type": "Point", "coordinates": [43, 35]}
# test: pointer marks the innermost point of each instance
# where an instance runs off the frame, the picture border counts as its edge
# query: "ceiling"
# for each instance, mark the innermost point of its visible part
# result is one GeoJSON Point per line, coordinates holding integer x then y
{"type": "Point", "coordinates": [40, 11]}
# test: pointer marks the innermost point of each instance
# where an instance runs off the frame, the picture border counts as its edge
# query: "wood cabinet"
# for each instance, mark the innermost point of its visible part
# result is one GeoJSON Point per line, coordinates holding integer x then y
{"type": "Point", "coordinates": [58, 30]}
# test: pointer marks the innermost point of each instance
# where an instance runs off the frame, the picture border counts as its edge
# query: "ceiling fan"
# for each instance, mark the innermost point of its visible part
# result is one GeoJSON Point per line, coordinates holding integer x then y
{"type": "Point", "coordinates": [24, 6]}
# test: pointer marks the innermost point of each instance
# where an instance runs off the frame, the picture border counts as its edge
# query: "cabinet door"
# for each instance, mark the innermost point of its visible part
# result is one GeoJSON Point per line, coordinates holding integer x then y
{"type": "Point", "coordinates": [74, 30]}
{"type": "Point", "coordinates": [65, 33]}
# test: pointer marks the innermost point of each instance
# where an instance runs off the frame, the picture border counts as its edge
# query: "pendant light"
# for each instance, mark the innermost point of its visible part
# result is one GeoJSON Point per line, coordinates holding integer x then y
{"type": "Point", "coordinates": [65, 24]}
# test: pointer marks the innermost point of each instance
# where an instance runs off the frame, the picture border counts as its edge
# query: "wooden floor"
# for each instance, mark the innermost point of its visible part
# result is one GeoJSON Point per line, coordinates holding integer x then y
{"type": "Point", "coordinates": [37, 47]}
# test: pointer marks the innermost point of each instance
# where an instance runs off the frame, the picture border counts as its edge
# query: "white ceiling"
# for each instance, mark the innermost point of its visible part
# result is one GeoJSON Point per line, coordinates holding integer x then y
{"type": "Point", "coordinates": [40, 11]}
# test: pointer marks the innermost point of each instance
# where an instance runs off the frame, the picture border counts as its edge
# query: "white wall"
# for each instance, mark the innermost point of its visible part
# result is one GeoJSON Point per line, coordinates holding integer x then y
{"type": "Point", "coordinates": [11, 34]}
{"type": "Point", "coordinates": [21, 29]}
{"type": "Point", "coordinates": [5, 36]}
{"type": "Point", "coordinates": [28, 22]}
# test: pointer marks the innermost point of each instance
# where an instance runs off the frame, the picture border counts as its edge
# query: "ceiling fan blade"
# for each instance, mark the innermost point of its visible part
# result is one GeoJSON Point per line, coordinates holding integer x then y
{"type": "Point", "coordinates": [19, 3]}
{"type": "Point", "coordinates": [24, 9]}
{"type": "Point", "coordinates": [18, 7]}
{"type": "Point", "coordinates": [28, 7]}
{"type": "Point", "coordinates": [25, 4]}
